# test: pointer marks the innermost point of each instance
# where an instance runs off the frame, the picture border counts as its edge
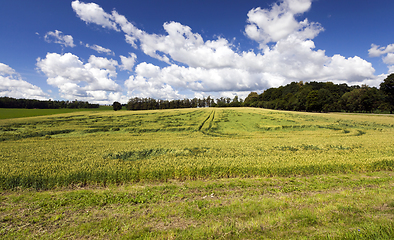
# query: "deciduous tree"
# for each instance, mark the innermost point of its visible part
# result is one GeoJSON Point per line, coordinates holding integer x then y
{"type": "Point", "coordinates": [387, 87]}
{"type": "Point", "coordinates": [117, 106]}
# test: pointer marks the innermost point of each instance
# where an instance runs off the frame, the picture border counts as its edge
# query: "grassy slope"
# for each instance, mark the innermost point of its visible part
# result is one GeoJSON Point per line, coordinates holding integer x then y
{"type": "Point", "coordinates": [287, 174]}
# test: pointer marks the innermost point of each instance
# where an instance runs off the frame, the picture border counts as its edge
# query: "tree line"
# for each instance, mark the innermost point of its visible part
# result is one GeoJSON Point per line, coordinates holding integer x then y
{"type": "Point", "coordinates": [326, 97]}
{"type": "Point", "coordinates": [8, 102]}
{"type": "Point", "coordinates": [296, 96]}
{"type": "Point", "coordinates": [152, 104]}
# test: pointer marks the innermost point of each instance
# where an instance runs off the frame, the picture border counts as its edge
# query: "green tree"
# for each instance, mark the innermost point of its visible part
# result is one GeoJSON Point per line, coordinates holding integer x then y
{"type": "Point", "coordinates": [348, 102]}
{"type": "Point", "coordinates": [364, 99]}
{"type": "Point", "coordinates": [117, 106]}
{"type": "Point", "coordinates": [387, 87]}
{"type": "Point", "coordinates": [312, 101]}
{"type": "Point", "coordinates": [209, 101]}
{"type": "Point", "coordinates": [235, 102]}
{"type": "Point", "coordinates": [301, 98]}
{"type": "Point", "coordinates": [252, 97]}
{"type": "Point", "coordinates": [326, 100]}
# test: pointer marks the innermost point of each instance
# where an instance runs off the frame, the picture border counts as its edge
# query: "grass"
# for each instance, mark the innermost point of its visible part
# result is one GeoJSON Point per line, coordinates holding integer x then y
{"type": "Point", "coordinates": [7, 113]}
{"type": "Point", "coordinates": [197, 174]}
{"type": "Point", "coordinates": [333, 206]}
{"type": "Point", "coordinates": [115, 147]}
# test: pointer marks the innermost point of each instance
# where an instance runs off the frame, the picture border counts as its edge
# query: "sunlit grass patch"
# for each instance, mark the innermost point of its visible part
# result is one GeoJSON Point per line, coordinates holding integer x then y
{"type": "Point", "coordinates": [131, 146]}
{"type": "Point", "coordinates": [328, 206]}
{"type": "Point", "coordinates": [9, 113]}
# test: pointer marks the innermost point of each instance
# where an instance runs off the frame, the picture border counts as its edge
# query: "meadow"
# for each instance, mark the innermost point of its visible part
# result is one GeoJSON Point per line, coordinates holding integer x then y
{"type": "Point", "coordinates": [6, 113]}
{"type": "Point", "coordinates": [230, 173]}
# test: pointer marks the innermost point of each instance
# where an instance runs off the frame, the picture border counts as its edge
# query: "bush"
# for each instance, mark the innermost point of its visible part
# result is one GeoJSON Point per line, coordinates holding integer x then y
{"type": "Point", "coordinates": [117, 106]}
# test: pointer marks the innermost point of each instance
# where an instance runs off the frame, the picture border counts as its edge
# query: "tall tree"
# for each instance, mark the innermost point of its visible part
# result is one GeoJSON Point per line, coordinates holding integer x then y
{"type": "Point", "coordinates": [387, 87]}
{"type": "Point", "coordinates": [252, 97]}
{"type": "Point", "coordinates": [312, 101]}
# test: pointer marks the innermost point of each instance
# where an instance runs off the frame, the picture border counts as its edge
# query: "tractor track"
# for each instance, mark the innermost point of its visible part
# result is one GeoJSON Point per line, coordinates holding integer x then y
{"type": "Point", "coordinates": [208, 121]}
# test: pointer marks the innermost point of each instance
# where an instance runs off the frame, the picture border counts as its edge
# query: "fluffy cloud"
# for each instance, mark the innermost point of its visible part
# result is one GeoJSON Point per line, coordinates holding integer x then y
{"type": "Point", "coordinates": [387, 54]}
{"type": "Point", "coordinates": [200, 66]}
{"type": "Point", "coordinates": [128, 62]}
{"type": "Point", "coordinates": [291, 59]}
{"type": "Point", "coordinates": [102, 63]}
{"type": "Point", "coordinates": [389, 58]}
{"type": "Point", "coordinates": [100, 49]}
{"type": "Point", "coordinates": [11, 85]}
{"type": "Point", "coordinates": [272, 25]}
{"type": "Point", "coordinates": [93, 13]}
{"type": "Point", "coordinates": [92, 81]}
{"type": "Point", "coordinates": [377, 51]}
{"type": "Point", "coordinates": [6, 70]}
{"type": "Point", "coordinates": [219, 80]}
{"type": "Point", "coordinates": [58, 37]}
{"type": "Point", "coordinates": [391, 69]}
{"type": "Point", "coordinates": [150, 82]}
{"type": "Point", "coordinates": [141, 87]}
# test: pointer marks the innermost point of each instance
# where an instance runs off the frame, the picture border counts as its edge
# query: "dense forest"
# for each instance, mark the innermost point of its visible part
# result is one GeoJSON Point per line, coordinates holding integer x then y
{"type": "Point", "coordinates": [326, 97]}
{"type": "Point", "coordinates": [7, 102]}
{"type": "Point", "coordinates": [296, 96]}
{"type": "Point", "coordinates": [320, 97]}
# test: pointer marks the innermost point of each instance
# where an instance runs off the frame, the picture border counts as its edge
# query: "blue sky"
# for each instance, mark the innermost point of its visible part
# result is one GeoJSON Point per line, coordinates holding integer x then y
{"type": "Point", "coordinates": [105, 51]}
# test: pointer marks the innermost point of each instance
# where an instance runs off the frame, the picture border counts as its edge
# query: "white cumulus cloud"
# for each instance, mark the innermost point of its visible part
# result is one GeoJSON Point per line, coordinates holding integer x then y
{"type": "Point", "coordinates": [272, 25]}
{"type": "Point", "coordinates": [387, 54]}
{"type": "Point", "coordinates": [389, 58]}
{"type": "Point", "coordinates": [93, 13]}
{"type": "Point", "coordinates": [141, 87]}
{"type": "Point", "coordinates": [200, 66]}
{"type": "Point", "coordinates": [102, 63]}
{"type": "Point", "coordinates": [91, 81]}
{"type": "Point", "coordinates": [58, 37]}
{"type": "Point", "coordinates": [6, 70]}
{"type": "Point", "coordinates": [377, 51]}
{"type": "Point", "coordinates": [11, 85]}
{"type": "Point", "coordinates": [128, 62]}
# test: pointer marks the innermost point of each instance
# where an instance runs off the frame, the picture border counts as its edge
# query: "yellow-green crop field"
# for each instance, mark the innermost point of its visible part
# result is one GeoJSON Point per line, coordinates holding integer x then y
{"type": "Point", "coordinates": [108, 147]}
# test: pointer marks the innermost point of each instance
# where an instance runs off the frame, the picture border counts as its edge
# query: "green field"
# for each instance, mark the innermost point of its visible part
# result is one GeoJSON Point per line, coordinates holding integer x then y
{"type": "Point", "coordinates": [232, 173]}
{"type": "Point", "coordinates": [6, 113]}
